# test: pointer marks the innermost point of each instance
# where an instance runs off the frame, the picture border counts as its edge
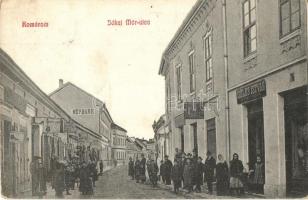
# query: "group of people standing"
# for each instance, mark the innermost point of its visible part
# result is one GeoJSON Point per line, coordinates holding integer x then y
{"type": "Point", "coordinates": [188, 171]}
{"type": "Point", "coordinates": [64, 175]}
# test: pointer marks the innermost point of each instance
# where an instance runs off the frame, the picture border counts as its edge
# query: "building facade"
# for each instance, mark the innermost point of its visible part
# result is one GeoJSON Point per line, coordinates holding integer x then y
{"type": "Point", "coordinates": [192, 65]}
{"type": "Point", "coordinates": [92, 113]}
{"type": "Point", "coordinates": [268, 90]}
{"type": "Point", "coordinates": [31, 125]}
{"type": "Point", "coordinates": [119, 136]}
{"type": "Point", "coordinates": [249, 60]}
{"type": "Point", "coordinates": [161, 138]}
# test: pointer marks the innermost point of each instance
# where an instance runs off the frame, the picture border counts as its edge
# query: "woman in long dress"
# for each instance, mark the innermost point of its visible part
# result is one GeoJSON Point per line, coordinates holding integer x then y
{"type": "Point", "coordinates": [222, 176]}
{"type": "Point", "coordinates": [236, 172]}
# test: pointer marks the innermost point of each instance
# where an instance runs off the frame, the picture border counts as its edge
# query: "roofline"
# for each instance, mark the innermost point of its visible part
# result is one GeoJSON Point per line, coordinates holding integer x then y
{"type": "Point", "coordinates": [117, 127]}
{"type": "Point", "coordinates": [32, 86]}
{"type": "Point", "coordinates": [182, 27]}
{"type": "Point", "coordinates": [10, 61]}
{"type": "Point", "coordinates": [100, 101]}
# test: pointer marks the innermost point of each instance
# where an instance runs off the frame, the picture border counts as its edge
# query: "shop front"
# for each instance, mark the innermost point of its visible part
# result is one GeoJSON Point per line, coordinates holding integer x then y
{"type": "Point", "coordinates": [296, 137]}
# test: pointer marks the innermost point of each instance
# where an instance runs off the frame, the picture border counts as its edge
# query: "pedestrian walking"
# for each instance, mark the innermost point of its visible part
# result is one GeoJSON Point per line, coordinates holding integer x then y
{"type": "Point", "coordinates": [258, 173]}
{"type": "Point", "coordinates": [34, 166]}
{"type": "Point", "coordinates": [199, 169]}
{"type": "Point", "coordinates": [194, 164]}
{"type": "Point", "coordinates": [67, 178]}
{"type": "Point", "coordinates": [162, 171]}
{"type": "Point", "coordinates": [59, 179]}
{"type": "Point", "coordinates": [210, 164]}
{"type": "Point", "coordinates": [168, 167]}
{"type": "Point", "coordinates": [93, 172]}
{"type": "Point", "coordinates": [137, 170]}
{"type": "Point", "coordinates": [176, 175]}
{"type": "Point", "coordinates": [236, 171]}
{"type": "Point", "coordinates": [182, 164]}
{"type": "Point", "coordinates": [85, 186]}
{"type": "Point", "coordinates": [142, 169]}
{"type": "Point", "coordinates": [222, 176]}
{"type": "Point", "coordinates": [131, 168]}
{"type": "Point", "coordinates": [152, 171]}
{"type": "Point", "coordinates": [101, 167]}
{"type": "Point", "coordinates": [187, 175]}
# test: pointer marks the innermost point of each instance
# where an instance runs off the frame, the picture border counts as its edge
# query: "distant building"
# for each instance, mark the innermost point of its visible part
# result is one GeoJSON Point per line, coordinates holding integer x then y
{"type": "Point", "coordinates": [91, 113]}
{"type": "Point", "coordinates": [161, 137]}
{"type": "Point", "coordinates": [118, 142]}
{"type": "Point", "coordinates": [133, 150]}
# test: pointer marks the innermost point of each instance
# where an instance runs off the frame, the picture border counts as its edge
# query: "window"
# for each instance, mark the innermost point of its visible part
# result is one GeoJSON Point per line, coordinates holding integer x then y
{"type": "Point", "coordinates": [289, 16]}
{"type": "Point", "coordinates": [192, 75]}
{"type": "Point", "coordinates": [179, 82]}
{"type": "Point", "coordinates": [250, 28]}
{"type": "Point", "coordinates": [208, 57]}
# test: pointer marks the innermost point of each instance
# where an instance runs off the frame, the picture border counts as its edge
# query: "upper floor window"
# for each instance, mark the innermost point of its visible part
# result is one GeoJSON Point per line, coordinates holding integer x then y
{"type": "Point", "coordinates": [192, 74]}
{"type": "Point", "coordinates": [208, 57]}
{"type": "Point", "coordinates": [179, 82]}
{"type": "Point", "coordinates": [289, 16]}
{"type": "Point", "coordinates": [250, 28]}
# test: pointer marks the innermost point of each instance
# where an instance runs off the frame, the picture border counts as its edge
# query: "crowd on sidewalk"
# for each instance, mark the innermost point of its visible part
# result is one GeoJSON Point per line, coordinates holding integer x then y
{"type": "Point", "coordinates": [189, 172]}
{"type": "Point", "coordinates": [64, 175]}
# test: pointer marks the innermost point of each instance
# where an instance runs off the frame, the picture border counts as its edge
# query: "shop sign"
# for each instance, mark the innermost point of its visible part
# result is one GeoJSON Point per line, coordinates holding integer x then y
{"type": "Point", "coordinates": [17, 136]}
{"type": "Point", "coordinates": [251, 91]}
{"type": "Point", "coordinates": [193, 110]}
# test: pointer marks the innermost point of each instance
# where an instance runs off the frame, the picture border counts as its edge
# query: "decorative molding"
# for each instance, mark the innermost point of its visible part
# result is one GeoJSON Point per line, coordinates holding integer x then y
{"type": "Point", "coordinates": [290, 44]}
{"type": "Point", "coordinates": [250, 64]}
{"type": "Point", "coordinates": [198, 17]}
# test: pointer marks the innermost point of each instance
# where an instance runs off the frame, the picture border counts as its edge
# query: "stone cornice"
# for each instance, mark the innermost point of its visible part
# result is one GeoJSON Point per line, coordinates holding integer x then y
{"type": "Point", "coordinates": [193, 20]}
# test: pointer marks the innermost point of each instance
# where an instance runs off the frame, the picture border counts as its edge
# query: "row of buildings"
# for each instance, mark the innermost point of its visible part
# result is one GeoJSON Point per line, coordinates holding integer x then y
{"type": "Point", "coordinates": [67, 123]}
{"type": "Point", "coordinates": [236, 82]}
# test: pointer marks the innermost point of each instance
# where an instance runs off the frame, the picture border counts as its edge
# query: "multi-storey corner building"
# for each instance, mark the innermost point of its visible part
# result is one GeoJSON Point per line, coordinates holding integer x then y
{"type": "Point", "coordinates": [267, 70]}
{"type": "Point", "coordinates": [248, 60]}
{"type": "Point", "coordinates": [193, 67]}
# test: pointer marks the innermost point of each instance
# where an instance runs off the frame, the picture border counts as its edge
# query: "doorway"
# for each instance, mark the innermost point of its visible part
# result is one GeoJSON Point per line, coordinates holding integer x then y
{"type": "Point", "coordinates": [255, 132]}
{"type": "Point", "coordinates": [195, 137]}
{"type": "Point", "coordinates": [296, 141]}
{"type": "Point", "coordinates": [211, 136]}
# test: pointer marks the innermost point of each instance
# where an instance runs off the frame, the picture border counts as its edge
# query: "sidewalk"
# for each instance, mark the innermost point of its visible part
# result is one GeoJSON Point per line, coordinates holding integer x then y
{"type": "Point", "coordinates": [204, 195]}
{"type": "Point", "coordinates": [75, 194]}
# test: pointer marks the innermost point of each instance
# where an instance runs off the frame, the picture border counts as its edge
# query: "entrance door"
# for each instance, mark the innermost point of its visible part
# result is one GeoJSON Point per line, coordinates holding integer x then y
{"type": "Point", "coordinates": [211, 136]}
{"type": "Point", "coordinates": [255, 132]}
{"type": "Point", "coordinates": [296, 141]}
{"type": "Point", "coordinates": [194, 130]}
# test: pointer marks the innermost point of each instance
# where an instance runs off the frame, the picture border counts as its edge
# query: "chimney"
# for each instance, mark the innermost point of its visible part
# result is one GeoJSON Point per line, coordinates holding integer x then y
{"type": "Point", "coordinates": [60, 83]}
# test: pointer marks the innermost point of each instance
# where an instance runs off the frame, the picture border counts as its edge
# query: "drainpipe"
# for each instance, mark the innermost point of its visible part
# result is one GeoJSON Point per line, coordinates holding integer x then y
{"type": "Point", "coordinates": [227, 117]}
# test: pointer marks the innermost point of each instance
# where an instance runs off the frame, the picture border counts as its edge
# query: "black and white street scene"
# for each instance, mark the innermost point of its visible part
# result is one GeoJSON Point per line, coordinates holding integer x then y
{"type": "Point", "coordinates": [154, 99]}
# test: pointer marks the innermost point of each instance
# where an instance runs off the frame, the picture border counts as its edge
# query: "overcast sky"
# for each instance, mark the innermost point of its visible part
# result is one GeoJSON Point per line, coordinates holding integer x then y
{"type": "Point", "coordinates": [117, 64]}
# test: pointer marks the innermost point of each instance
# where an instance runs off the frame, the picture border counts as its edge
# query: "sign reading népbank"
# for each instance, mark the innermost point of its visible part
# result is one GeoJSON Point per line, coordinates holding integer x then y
{"type": "Point", "coordinates": [251, 91]}
{"type": "Point", "coordinates": [83, 111]}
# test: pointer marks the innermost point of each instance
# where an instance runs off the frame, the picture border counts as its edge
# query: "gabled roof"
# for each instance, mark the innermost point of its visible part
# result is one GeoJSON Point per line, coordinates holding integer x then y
{"type": "Point", "coordinates": [83, 91]}
{"type": "Point", "coordinates": [115, 126]}
{"type": "Point", "coordinates": [12, 66]}
{"type": "Point", "coordinates": [185, 23]}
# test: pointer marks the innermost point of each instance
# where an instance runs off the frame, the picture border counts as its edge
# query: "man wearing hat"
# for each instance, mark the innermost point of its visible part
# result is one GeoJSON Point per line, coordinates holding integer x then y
{"type": "Point", "coordinates": [142, 168]}
{"type": "Point", "coordinates": [168, 167]}
{"type": "Point", "coordinates": [199, 169]}
{"type": "Point", "coordinates": [210, 164]}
